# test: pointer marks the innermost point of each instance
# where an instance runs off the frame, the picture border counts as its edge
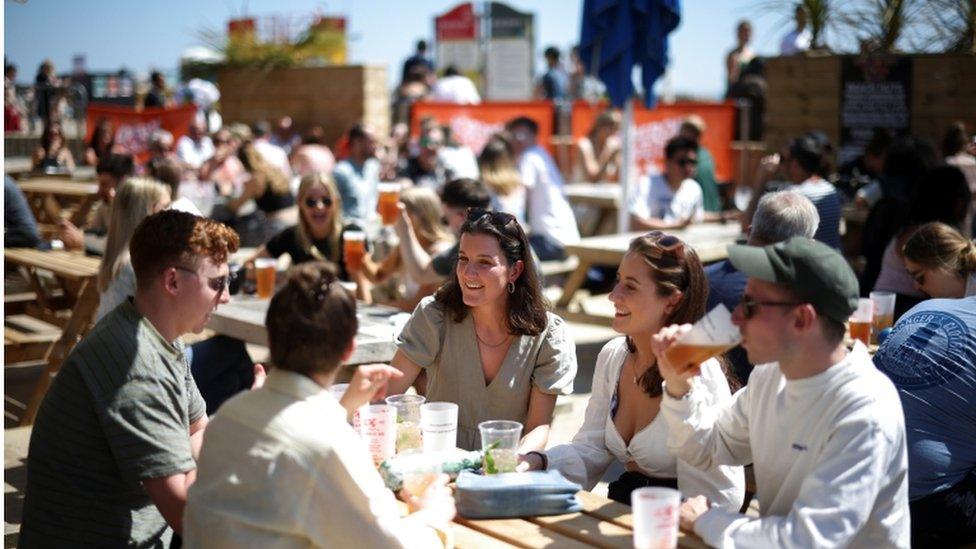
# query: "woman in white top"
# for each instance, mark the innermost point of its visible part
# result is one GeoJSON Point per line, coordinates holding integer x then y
{"type": "Point", "coordinates": [660, 281]}
{"type": "Point", "coordinates": [942, 261]}
{"type": "Point", "coordinates": [500, 174]}
{"type": "Point", "coordinates": [135, 199]}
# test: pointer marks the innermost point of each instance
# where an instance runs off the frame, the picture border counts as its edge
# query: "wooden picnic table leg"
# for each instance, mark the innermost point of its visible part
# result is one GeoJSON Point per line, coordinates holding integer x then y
{"type": "Point", "coordinates": [82, 316]}
{"type": "Point", "coordinates": [573, 283]}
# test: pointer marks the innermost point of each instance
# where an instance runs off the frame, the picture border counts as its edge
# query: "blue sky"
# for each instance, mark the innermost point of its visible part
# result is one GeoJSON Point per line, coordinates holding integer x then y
{"type": "Point", "coordinates": [143, 35]}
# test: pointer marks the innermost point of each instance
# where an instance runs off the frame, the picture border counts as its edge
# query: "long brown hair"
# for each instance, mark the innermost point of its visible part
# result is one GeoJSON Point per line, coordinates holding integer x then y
{"type": "Point", "coordinates": [526, 305]}
{"type": "Point", "coordinates": [257, 166]}
{"type": "Point", "coordinates": [303, 233]}
{"type": "Point", "coordinates": [939, 246]}
{"type": "Point", "coordinates": [674, 267]}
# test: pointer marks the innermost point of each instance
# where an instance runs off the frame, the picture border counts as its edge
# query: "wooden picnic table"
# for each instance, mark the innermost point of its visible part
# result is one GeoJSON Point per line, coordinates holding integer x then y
{"type": "Point", "coordinates": [76, 275]}
{"type": "Point", "coordinates": [23, 166]}
{"type": "Point", "coordinates": [243, 318]}
{"type": "Point", "coordinates": [46, 196]}
{"type": "Point", "coordinates": [602, 523]}
{"type": "Point", "coordinates": [709, 240]}
{"type": "Point", "coordinates": [604, 198]}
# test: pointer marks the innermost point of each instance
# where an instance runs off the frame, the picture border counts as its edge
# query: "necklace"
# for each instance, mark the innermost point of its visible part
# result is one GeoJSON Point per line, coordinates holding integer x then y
{"type": "Point", "coordinates": [486, 344]}
{"type": "Point", "coordinates": [633, 365]}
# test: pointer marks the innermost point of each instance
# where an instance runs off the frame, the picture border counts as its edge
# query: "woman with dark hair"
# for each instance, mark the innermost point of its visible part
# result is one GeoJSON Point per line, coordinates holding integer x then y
{"type": "Point", "coordinates": [941, 261]}
{"type": "Point", "coordinates": [52, 153]}
{"type": "Point", "coordinates": [102, 142]}
{"type": "Point", "coordinates": [493, 305]}
{"type": "Point", "coordinates": [660, 282]}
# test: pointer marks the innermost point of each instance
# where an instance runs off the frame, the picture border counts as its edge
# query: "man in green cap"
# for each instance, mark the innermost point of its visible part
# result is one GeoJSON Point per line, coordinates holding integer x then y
{"type": "Point", "coordinates": [822, 426]}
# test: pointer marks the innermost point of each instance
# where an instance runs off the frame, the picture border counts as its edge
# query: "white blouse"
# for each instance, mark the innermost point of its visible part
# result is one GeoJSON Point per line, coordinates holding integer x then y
{"type": "Point", "coordinates": [598, 443]}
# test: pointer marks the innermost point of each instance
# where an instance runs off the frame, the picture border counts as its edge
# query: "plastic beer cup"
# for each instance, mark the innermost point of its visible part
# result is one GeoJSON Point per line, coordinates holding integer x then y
{"type": "Point", "coordinates": [389, 196]}
{"type": "Point", "coordinates": [655, 515]}
{"type": "Point", "coordinates": [353, 249]}
{"type": "Point", "coordinates": [859, 323]}
{"type": "Point", "coordinates": [265, 268]}
{"type": "Point", "coordinates": [884, 312]}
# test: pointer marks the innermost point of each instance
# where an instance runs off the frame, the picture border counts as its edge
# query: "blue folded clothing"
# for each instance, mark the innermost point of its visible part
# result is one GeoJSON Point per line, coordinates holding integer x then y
{"type": "Point", "coordinates": [512, 495]}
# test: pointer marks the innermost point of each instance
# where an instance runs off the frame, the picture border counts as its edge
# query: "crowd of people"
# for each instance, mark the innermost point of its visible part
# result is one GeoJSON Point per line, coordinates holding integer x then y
{"type": "Point", "coordinates": [847, 449]}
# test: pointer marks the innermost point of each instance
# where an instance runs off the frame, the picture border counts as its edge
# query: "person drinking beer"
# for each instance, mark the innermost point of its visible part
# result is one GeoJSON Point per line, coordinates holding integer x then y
{"type": "Point", "coordinates": [320, 233]}
{"type": "Point", "coordinates": [822, 426]}
{"type": "Point", "coordinates": [659, 282]}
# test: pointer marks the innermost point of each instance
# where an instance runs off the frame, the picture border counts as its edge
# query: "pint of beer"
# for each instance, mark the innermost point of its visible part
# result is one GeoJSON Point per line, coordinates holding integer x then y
{"type": "Point", "coordinates": [265, 271]}
{"type": "Point", "coordinates": [387, 205]}
{"type": "Point", "coordinates": [859, 324]}
{"type": "Point", "coordinates": [353, 249]}
{"type": "Point", "coordinates": [883, 314]}
{"type": "Point", "coordinates": [712, 335]}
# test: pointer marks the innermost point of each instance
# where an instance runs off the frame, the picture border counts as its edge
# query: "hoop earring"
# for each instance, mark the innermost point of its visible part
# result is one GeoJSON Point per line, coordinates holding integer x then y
{"type": "Point", "coordinates": [511, 287]}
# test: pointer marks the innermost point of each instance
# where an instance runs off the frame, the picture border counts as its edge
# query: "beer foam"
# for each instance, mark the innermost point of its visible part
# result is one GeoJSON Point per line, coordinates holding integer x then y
{"type": "Point", "coordinates": [715, 328]}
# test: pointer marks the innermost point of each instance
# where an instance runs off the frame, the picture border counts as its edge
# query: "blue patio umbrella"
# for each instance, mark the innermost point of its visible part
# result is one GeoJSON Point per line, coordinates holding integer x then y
{"type": "Point", "coordinates": [616, 36]}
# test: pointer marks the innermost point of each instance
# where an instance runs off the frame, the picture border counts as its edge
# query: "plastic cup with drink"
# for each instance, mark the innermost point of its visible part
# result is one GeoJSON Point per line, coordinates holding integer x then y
{"type": "Point", "coordinates": [712, 335]}
{"type": "Point", "coordinates": [499, 442]}
{"type": "Point", "coordinates": [378, 428]}
{"type": "Point", "coordinates": [859, 324]}
{"type": "Point", "coordinates": [407, 421]}
{"type": "Point", "coordinates": [655, 515]}
{"type": "Point", "coordinates": [438, 425]}
{"type": "Point", "coordinates": [353, 249]}
{"type": "Point", "coordinates": [265, 269]}
{"type": "Point", "coordinates": [389, 197]}
{"type": "Point", "coordinates": [884, 313]}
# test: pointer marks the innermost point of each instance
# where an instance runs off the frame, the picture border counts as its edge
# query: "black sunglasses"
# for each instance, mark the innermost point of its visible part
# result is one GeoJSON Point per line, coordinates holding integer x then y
{"type": "Point", "coordinates": [750, 307]}
{"type": "Point", "coordinates": [217, 283]}
{"type": "Point", "coordinates": [688, 162]}
{"type": "Point", "coordinates": [313, 202]}
{"type": "Point", "coordinates": [496, 218]}
{"type": "Point", "coordinates": [666, 243]}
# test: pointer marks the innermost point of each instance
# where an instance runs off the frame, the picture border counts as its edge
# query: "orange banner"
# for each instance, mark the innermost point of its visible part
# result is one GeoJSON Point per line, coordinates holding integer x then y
{"type": "Point", "coordinates": [653, 128]}
{"type": "Point", "coordinates": [473, 125]}
{"type": "Point", "coordinates": [134, 128]}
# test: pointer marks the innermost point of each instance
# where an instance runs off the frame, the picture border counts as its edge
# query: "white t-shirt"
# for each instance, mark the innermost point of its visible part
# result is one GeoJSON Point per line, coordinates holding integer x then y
{"type": "Point", "coordinates": [829, 453]}
{"type": "Point", "coordinates": [549, 212]}
{"type": "Point", "coordinates": [795, 41]}
{"type": "Point", "coordinates": [655, 199]}
{"type": "Point", "coordinates": [598, 443]}
{"type": "Point", "coordinates": [194, 153]}
{"type": "Point", "coordinates": [455, 89]}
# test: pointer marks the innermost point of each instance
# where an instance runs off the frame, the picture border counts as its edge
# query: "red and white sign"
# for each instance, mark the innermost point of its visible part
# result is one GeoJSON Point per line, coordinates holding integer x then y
{"type": "Point", "coordinates": [134, 128]}
{"type": "Point", "coordinates": [458, 24]}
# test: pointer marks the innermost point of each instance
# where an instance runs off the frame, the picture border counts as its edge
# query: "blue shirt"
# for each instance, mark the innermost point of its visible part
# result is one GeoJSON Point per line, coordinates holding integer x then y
{"type": "Point", "coordinates": [726, 284]}
{"type": "Point", "coordinates": [931, 358]}
{"type": "Point", "coordinates": [357, 187]}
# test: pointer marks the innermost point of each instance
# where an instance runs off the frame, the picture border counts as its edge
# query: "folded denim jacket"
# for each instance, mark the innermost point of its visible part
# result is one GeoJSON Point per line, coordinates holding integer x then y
{"type": "Point", "coordinates": [512, 495]}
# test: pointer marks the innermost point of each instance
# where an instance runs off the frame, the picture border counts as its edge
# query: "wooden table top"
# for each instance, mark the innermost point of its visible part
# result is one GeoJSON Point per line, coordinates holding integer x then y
{"type": "Point", "coordinates": [243, 318]}
{"type": "Point", "coordinates": [63, 263]}
{"type": "Point", "coordinates": [602, 523]}
{"type": "Point", "coordinates": [710, 240]}
{"type": "Point", "coordinates": [61, 187]}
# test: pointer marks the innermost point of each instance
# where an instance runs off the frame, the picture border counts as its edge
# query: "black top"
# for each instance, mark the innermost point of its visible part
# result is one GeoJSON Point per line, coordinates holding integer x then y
{"type": "Point", "coordinates": [154, 98]}
{"type": "Point", "coordinates": [444, 262]}
{"type": "Point", "coordinates": [270, 202]}
{"type": "Point", "coordinates": [286, 242]}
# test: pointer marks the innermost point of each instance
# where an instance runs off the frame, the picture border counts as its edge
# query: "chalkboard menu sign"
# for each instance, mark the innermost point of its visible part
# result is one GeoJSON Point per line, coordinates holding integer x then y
{"type": "Point", "coordinates": [876, 93]}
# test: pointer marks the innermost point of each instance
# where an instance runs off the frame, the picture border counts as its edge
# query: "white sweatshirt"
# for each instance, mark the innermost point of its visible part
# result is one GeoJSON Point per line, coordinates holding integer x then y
{"type": "Point", "coordinates": [598, 443]}
{"type": "Point", "coordinates": [829, 456]}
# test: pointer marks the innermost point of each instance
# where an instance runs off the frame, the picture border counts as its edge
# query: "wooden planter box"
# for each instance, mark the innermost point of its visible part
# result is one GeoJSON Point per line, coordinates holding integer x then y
{"type": "Point", "coordinates": [333, 97]}
{"type": "Point", "coordinates": [804, 94]}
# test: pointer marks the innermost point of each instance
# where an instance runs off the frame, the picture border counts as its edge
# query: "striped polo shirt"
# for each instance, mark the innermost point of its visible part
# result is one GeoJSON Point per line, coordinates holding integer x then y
{"type": "Point", "coordinates": [118, 413]}
{"type": "Point", "coordinates": [829, 203]}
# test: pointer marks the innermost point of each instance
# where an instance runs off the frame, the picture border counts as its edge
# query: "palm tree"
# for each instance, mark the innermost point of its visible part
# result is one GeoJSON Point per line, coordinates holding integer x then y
{"type": "Point", "coordinates": [822, 16]}
{"type": "Point", "coordinates": [881, 24]}
{"type": "Point", "coordinates": [952, 25]}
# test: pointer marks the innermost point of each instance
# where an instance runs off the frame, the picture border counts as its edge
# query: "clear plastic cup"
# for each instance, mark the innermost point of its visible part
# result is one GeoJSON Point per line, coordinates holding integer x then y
{"type": "Point", "coordinates": [859, 323]}
{"type": "Point", "coordinates": [655, 515]}
{"type": "Point", "coordinates": [499, 442]}
{"type": "Point", "coordinates": [407, 421]}
{"type": "Point", "coordinates": [438, 423]}
{"type": "Point", "coordinates": [884, 312]}
{"type": "Point", "coordinates": [378, 428]}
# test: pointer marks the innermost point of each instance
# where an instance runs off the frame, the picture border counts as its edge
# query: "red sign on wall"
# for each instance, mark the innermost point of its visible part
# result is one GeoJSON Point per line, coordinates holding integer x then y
{"type": "Point", "coordinates": [457, 24]}
{"type": "Point", "coordinates": [134, 128]}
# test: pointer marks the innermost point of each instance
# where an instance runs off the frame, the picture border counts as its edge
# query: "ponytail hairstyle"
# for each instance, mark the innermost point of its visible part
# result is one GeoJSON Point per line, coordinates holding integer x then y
{"type": "Point", "coordinates": [939, 246]}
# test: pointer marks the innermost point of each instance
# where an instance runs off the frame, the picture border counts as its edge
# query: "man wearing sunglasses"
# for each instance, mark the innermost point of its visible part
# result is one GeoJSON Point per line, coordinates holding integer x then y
{"type": "Point", "coordinates": [822, 426]}
{"type": "Point", "coordinates": [671, 200]}
{"type": "Point", "coordinates": [113, 449]}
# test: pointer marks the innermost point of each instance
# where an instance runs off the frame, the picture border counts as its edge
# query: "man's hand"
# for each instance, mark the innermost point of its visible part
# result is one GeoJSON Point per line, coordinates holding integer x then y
{"type": "Point", "coordinates": [368, 384]}
{"type": "Point", "coordinates": [690, 510]}
{"type": "Point", "coordinates": [260, 375]}
{"type": "Point", "coordinates": [676, 376]}
{"type": "Point", "coordinates": [73, 237]}
{"type": "Point", "coordinates": [436, 504]}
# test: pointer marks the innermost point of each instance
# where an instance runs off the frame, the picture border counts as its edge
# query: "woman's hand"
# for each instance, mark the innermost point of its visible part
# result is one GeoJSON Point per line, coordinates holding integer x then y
{"type": "Point", "coordinates": [73, 237]}
{"type": "Point", "coordinates": [367, 385]}
{"type": "Point", "coordinates": [690, 510]}
{"type": "Point", "coordinates": [436, 504]}
{"type": "Point", "coordinates": [677, 377]}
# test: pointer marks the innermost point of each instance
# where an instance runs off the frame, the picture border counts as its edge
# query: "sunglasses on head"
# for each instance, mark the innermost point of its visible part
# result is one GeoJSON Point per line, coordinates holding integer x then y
{"type": "Point", "coordinates": [750, 306]}
{"type": "Point", "coordinates": [666, 243]}
{"type": "Point", "coordinates": [217, 283]}
{"type": "Point", "coordinates": [496, 218]}
{"type": "Point", "coordinates": [313, 202]}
